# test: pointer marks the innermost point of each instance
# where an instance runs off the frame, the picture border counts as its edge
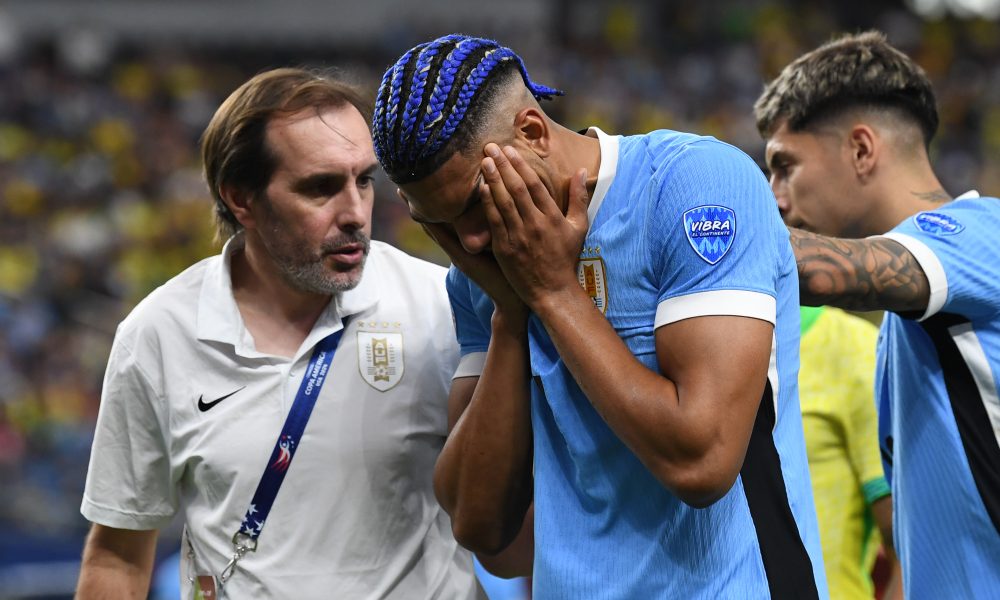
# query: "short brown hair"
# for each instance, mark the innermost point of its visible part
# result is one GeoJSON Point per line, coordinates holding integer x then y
{"type": "Point", "coordinates": [234, 145]}
{"type": "Point", "coordinates": [860, 70]}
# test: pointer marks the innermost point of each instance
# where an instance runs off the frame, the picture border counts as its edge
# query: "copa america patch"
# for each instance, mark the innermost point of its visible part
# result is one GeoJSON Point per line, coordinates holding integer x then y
{"type": "Point", "coordinates": [710, 230]}
{"type": "Point", "coordinates": [937, 223]}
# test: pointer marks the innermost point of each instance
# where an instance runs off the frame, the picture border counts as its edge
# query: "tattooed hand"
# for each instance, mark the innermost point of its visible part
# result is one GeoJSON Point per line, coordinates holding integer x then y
{"type": "Point", "coordinates": [867, 274]}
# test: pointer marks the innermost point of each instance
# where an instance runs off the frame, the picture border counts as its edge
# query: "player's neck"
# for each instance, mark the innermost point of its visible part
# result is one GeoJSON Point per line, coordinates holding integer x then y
{"type": "Point", "coordinates": [278, 316]}
{"type": "Point", "coordinates": [908, 191]}
{"type": "Point", "coordinates": [576, 151]}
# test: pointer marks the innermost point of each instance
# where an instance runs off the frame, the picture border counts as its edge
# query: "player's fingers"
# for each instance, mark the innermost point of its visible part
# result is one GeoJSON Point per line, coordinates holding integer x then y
{"type": "Point", "coordinates": [512, 181]}
{"type": "Point", "coordinates": [578, 202]}
{"type": "Point", "coordinates": [501, 197]}
{"type": "Point", "coordinates": [525, 187]}
{"type": "Point", "coordinates": [498, 228]}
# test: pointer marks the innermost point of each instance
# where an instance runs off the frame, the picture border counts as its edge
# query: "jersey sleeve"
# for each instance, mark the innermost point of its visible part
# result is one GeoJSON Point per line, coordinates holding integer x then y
{"type": "Point", "coordinates": [129, 481]}
{"type": "Point", "coordinates": [715, 235]}
{"type": "Point", "coordinates": [442, 323]}
{"type": "Point", "coordinates": [956, 247]}
{"type": "Point", "coordinates": [473, 335]}
{"type": "Point", "coordinates": [857, 342]}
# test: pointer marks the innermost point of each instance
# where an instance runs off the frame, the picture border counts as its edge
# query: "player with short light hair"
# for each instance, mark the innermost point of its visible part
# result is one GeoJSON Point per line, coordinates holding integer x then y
{"type": "Point", "coordinates": [848, 126]}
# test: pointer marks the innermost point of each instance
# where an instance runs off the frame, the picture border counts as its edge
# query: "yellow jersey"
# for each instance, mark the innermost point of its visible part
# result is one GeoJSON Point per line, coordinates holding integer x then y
{"type": "Point", "coordinates": [836, 390]}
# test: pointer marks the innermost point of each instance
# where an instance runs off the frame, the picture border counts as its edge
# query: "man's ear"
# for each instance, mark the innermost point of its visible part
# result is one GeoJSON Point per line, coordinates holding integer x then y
{"type": "Point", "coordinates": [531, 128]}
{"type": "Point", "coordinates": [240, 204]}
{"type": "Point", "coordinates": [866, 147]}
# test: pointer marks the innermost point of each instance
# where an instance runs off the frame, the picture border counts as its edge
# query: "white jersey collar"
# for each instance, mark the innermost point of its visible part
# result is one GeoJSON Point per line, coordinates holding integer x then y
{"type": "Point", "coordinates": [606, 172]}
{"type": "Point", "coordinates": [219, 317]}
{"type": "Point", "coordinates": [967, 195]}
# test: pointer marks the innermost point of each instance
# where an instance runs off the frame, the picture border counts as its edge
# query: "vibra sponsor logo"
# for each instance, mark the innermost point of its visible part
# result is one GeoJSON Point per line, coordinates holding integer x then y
{"type": "Point", "coordinates": [710, 229]}
{"type": "Point", "coordinates": [706, 228]}
{"type": "Point", "coordinates": [938, 223]}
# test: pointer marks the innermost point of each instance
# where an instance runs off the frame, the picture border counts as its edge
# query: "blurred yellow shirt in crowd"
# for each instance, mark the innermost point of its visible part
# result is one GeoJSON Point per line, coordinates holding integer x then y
{"type": "Point", "coordinates": [836, 390]}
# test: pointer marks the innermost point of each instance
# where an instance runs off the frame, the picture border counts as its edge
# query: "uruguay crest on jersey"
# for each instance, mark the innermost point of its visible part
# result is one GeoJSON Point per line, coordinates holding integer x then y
{"type": "Point", "coordinates": [591, 273]}
{"type": "Point", "coordinates": [380, 356]}
{"type": "Point", "coordinates": [710, 229]}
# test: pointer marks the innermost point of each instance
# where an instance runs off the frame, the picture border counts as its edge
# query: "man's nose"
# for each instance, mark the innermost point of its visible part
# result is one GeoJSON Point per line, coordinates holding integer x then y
{"type": "Point", "coordinates": [784, 204]}
{"type": "Point", "coordinates": [353, 211]}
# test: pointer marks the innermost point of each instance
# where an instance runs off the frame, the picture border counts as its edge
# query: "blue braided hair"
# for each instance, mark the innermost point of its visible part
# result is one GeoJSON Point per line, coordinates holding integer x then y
{"type": "Point", "coordinates": [427, 106]}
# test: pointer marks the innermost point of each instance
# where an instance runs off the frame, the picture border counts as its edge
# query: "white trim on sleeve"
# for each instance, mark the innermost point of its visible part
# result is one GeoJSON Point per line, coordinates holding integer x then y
{"type": "Point", "coordinates": [470, 365]}
{"type": "Point", "coordinates": [737, 303]}
{"type": "Point", "coordinates": [932, 268]}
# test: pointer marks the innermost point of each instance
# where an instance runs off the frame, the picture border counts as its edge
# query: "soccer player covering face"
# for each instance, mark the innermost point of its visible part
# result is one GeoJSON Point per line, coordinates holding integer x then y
{"type": "Point", "coordinates": [847, 128]}
{"type": "Point", "coordinates": [627, 313]}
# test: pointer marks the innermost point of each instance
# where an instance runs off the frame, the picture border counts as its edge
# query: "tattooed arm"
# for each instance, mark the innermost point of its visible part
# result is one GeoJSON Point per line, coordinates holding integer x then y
{"type": "Point", "coordinates": [866, 274]}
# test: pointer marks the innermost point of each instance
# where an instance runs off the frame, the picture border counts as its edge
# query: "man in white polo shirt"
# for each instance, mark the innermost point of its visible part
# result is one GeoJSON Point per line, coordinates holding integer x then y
{"type": "Point", "coordinates": [289, 396]}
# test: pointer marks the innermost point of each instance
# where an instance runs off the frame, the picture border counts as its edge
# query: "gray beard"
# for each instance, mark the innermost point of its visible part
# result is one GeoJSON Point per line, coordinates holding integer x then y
{"type": "Point", "coordinates": [314, 277]}
{"type": "Point", "coordinates": [308, 273]}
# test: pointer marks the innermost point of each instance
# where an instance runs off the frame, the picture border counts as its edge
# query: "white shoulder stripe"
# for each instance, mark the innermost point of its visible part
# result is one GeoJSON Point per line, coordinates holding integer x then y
{"type": "Point", "coordinates": [932, 268]}
{"type": "Point", "coordinates": [738, 303]}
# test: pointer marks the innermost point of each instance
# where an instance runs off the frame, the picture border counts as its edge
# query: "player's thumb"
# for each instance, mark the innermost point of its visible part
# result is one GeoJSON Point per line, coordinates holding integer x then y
{"type": "Point", "coordinates": [579, 200]}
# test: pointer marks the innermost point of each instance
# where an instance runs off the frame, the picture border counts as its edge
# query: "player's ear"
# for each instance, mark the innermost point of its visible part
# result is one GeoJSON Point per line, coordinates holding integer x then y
{"type": "Point", "coordinates": [240, 203]}
{"type": "Point", "coordinates": [531, 128]}
{"type": "Point", "coordinates": [865, 146]}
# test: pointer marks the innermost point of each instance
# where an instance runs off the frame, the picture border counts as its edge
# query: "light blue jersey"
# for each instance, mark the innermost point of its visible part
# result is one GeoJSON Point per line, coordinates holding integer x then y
{"type": "Point", "coordinates": [939, 416]}
{"type": "Point", "coordinates": [681, 226]}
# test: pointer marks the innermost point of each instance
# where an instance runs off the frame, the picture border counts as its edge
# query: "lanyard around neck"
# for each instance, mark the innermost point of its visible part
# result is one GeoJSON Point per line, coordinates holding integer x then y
{"type": "Point", "coordinates": [245, 540]}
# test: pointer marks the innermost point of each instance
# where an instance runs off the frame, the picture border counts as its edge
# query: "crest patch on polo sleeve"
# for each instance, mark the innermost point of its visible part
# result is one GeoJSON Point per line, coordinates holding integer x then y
{"type": "Point", "coordinates": [710, 230]}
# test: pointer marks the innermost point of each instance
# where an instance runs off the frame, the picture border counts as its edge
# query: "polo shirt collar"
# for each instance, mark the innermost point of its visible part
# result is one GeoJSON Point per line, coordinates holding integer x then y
{"type": "Point", "coordinates": [219, 318]}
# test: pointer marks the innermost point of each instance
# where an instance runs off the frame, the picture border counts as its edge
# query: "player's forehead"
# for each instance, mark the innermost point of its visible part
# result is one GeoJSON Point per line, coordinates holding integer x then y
{"type": "Point", "coordinates": [446, 193]}
{"type": "Point", "coordinates": [777, 141]}
{"type": "Point", "coordinates": [786, 144]}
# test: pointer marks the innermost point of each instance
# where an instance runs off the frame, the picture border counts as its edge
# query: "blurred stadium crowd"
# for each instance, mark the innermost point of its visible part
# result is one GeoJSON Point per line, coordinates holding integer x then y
{"type": "Point", "coordinates": [102, 199]}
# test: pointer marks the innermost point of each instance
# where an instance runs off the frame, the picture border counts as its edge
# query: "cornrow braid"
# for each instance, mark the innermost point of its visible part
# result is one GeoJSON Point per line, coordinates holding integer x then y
{"type": "Point", "coordinates": [387, 98]}
{"type": "Point", "coordinates": [378, 114]}
{"type": "Point", "coordinates": [445, 83]}
{"type": "Point", "coordinates": [426, 105]}
{"type": "Point", "coordinates": [416, 95]}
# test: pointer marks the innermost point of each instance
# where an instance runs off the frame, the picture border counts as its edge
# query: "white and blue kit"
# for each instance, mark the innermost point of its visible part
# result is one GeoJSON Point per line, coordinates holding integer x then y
{"type": "Point", "coordinates": [680, 226]}
{"type": "Point", "coordinates": [939, 414]}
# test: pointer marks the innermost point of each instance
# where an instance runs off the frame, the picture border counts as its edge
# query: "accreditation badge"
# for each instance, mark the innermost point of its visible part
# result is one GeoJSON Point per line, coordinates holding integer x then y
{"type": "Point", "coordinates": [204, 587]}
{"type": "Point", "coordinates": [380, 354]}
